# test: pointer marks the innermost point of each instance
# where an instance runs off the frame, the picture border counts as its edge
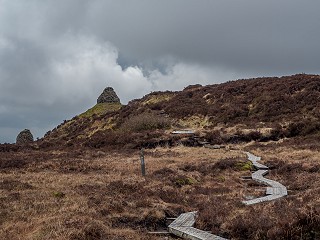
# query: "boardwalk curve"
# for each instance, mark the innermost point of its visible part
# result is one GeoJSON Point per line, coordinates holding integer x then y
{"type": "Point", "coordinates": [274, 191]}
{"type": "Point", "coordinates": [183, 227]}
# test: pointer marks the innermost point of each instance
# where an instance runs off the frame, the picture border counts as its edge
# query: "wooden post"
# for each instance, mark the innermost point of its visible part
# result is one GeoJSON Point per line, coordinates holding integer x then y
{"type": "Point", "coordinates": [143, 167]}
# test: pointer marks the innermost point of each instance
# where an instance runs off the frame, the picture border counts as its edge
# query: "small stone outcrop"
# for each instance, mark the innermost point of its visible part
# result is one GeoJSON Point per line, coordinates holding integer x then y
{"type": "Point", "coordinates": [108, 96]}
{"type": "Point", "coordinates": [24, 137]}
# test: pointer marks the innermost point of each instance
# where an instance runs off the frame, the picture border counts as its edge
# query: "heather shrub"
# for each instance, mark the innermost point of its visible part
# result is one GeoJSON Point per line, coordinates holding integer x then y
{"type": "Point", "coordinates": [145, 122]}
{"type": "Point", "coordinates": [276, 134]}
{"type": "Point", "coordinates": [163, 172]}
{"type": "Point", "coordinates": [224, 164]}
{"type": "Point", "coordinates": [221, 165]}
{"type": "Point", "coordinates": [6, 147]}
{"type": "Point", "coordinates": [240, 136]}
{"type": "Point", "coordinates": [254, 135]}
{"type": "Point", "coordinates": [12, 163]}
{"type": "Point", "coordinates": [303, 128]}
{"type": "Point", "coordinates": [214, 137]}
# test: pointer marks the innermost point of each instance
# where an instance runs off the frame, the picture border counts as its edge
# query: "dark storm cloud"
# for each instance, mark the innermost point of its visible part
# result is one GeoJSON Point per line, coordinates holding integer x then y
{"type": "Point", "coordinates": [57, 56]}
{"type": "Point", "coordinates": [245, 35]}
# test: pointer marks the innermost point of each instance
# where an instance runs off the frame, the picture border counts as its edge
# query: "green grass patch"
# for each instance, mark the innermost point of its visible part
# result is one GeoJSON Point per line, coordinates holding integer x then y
{"type": "Point", "coordinates": [153, 99]}
{"type": "Point", "coordinates": [58, 194]}
{"type": "Point", "coordinates": [101, 108]}
{"type": "Point", "coordinates": [244, 166]}
{"type": "Point", "coordinates": [185, 181]}
{"type": "Point", "coordinates": [221, 178]}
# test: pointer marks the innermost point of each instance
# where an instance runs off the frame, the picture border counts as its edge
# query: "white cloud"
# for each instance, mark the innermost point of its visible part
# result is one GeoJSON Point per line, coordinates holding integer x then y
{"type": "Point", "coordinates": [65, 77]}
{"type": "Point", "coordinates": [180, 75]}
{"type": "Point", "coordinates": [87, 66]}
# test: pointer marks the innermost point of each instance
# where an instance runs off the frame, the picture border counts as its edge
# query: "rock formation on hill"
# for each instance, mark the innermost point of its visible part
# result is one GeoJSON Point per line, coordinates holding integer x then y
{"type": "Point", "coordinates": [108, 96]}
{"type": "Point", "coordinates": [24, 137]}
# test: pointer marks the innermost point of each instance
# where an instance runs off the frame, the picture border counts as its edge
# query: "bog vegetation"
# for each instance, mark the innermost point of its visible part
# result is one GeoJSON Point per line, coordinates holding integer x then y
{"type": "Point", "coordinates": [83, 181]}
{"type": "Point", "coordinates": [88, 195]}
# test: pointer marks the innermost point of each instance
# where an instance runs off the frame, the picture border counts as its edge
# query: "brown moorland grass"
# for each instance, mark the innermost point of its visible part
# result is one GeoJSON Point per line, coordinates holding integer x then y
{"type": "Point", "coordinates": [101, 195]}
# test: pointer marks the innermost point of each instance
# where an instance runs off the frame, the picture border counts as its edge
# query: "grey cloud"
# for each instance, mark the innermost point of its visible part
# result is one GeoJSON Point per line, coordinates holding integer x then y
{"type": "Point", "coordinates": [244, 35]}
{"type": "Point", "coordinates": [57, 56]}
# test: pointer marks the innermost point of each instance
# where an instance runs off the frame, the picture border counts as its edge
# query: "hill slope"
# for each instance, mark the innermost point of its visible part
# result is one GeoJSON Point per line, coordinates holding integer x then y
{"type": "Point", "coordinates": [259, 109]}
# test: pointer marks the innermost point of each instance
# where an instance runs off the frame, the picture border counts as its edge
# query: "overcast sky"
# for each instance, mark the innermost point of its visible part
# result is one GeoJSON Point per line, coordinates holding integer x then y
{"type": "Point", "coordinates": [57, 56]}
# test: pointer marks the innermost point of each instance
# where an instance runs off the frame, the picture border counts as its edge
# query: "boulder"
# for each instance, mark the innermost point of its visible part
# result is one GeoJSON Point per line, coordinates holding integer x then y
{"type": "Point", "coordinates": [108, 96]}
{"type": "Point", "coordinates": [24, 137]}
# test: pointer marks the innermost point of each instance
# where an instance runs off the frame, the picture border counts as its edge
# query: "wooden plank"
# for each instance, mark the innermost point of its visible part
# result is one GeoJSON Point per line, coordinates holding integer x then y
{"type": "Point", "coordinates": [163, 232]}
{"type": "Point", "coordinates": [246, 177]}
{"type": "Point", "coordinates": [261, 199]}
{"type": "Point", "coordinates": [252, 157]}
{"type": "Point", "coordinates": [254, 160]}
{"type": "Point", "coordinates": [276, 191]}
{"type": "Point", "coordinates": [183, 132]}
{"type": "Point", "coordinates": [214, 146]}
{"type": "Point", "coordinates": [183, 227]}
{"type": "Point", "coordinates": [185, 220]}
{"type": "Point", "coordinates": [260, 166]}
{"type": "Point", "coordinates": [194, 234]}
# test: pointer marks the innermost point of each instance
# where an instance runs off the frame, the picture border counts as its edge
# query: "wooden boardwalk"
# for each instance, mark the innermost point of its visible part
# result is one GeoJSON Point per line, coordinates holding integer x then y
{"type": "Point", "coordinates": [187, 131]}
{"type": "Point", "coordinates": [183, 227]}
{"type": "Point", "coordinates": [276, 189]}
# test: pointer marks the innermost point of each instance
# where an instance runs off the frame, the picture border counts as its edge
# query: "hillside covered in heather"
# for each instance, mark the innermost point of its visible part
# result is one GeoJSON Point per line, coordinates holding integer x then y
{"type": "Point", "coordinates": [260, 109]}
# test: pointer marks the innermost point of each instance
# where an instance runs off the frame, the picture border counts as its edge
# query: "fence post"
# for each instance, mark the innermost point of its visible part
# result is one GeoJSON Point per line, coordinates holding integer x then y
{"type": "Point", "coordinates": [143, 167]}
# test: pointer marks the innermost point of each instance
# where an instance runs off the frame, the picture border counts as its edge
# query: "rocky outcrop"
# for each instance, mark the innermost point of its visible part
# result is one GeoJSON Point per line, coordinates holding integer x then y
{"type": "Point", "coordinates": [108, 96]}
{"type": "Point", "coordinates": [24, 137]}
